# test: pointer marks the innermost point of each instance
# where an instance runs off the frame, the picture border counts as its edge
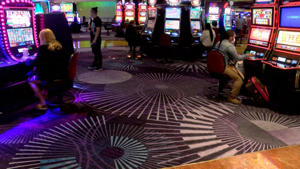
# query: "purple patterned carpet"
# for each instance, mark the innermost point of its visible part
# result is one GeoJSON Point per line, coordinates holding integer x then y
{"type": "Point", "coordinates": [140, 114]}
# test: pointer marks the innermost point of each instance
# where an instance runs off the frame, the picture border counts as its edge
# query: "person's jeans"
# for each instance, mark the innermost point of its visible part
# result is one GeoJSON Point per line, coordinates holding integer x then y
{"type": "Point", "coordinates": [233, 73]}
{"type": "Point", "coordinates": [96, 49]}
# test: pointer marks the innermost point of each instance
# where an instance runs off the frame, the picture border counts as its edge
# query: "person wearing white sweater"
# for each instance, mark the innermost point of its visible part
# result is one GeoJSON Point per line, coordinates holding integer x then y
{"type": "Point", "coordinates": [208, 36]}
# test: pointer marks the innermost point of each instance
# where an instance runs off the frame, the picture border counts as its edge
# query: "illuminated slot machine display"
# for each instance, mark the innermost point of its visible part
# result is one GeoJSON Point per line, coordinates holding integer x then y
{"type": "Point", "coordinates": [142, 13]}
{"type": "Point", "coordinates": [119, 13]}
{"type": "Point", "coordinates": [41, 6]}
{"type": "Point", "coordinates": [261, 35]}
{"type": "Point", "coordinates": [195, 20]}
{"type": "Point", "coordinates": [227, 18]}
{"type": "Point", "coordinates": [213, 13]}
{"type": "Point", "coordinates": [55, 8]}
{"type": "Point", "coordinates": [129, 11]}
{"type": "Point", "coordinates": [67, 8]}
{"type": "Point", "coordinates": [151, 17]}
{"type": "Point", "coordinates": [172, 20]}
{"type": "Point", "coordinates": [18, 32]}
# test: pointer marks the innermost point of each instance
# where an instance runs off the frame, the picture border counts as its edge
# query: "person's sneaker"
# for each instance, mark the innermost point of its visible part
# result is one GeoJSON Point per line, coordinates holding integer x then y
{"type": "Point", "coordinates": [233, 100]}
{"type": "Point", "coordinates": [98, 69]}
{"type": "Point", "coordinates": [92, 67]}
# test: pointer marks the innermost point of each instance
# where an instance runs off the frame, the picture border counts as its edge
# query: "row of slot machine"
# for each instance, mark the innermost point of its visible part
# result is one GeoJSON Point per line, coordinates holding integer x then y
{"type": "Point", "coordinates": [221, 12]}
{"type": "Point", "coordinates": [274, 40]}
{"type": "Point", "coordinates": [127, 12]}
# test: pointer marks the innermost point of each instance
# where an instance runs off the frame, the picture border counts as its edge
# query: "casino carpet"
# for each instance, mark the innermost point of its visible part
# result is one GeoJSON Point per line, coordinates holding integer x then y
{"type": "Point", "coordinates": [140, 114]}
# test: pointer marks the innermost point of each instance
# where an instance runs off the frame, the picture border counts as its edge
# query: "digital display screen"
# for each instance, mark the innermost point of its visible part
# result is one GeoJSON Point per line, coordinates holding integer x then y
{"type": "Point", "coordinates": [195, 13]}
{"type": "Point", "coordinates": [55, 8]}
{"type": "Point", "coordinates": [260, 34]}
{"type": "Point", "coordinates": [152, 13]}
{"type": "Point", "coordinates": [66, 7]}
{"type": "Point", "coordinates": [288, 40]}
{"type": "Point", "coordinates": [172, 24]}
{"type": "Point", "coordinates": [70, 17]}
{"type": "Point", "coordinates": [20, 37]}
{"type": "Point", "coordinates": [143, 7]}
{"type": "Point", "coordinates": [262, 16]}
{"type": "Point", "coordinates": [294, 62]}
{"type": "Point", "coordinates": [213, 17]}
{"type": "Point", "coordinates": [129, 6]}
{"type": "Point", "coordinates": [18, 18]}
{"type": "Point", "coordinates": [195, 25]}
{"type": "Point", "coordinates": [281, 59]}
{"type": "Point", "coordinates": [174, 13]}
{"type": "Point", "coordinates": [129, 13]}
{"type": "Point", "coordinates": [143, 13]}
{"type": "Point", "coordinates": [264, 1]}
{"type": "Point", "coordinates": [213, 10]}
{"type": "Point", "coordinates": [290, 17]}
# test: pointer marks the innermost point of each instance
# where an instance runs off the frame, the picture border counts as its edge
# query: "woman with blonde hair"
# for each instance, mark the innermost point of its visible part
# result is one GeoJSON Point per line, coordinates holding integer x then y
{"type": "Point", "coordinates": [50, 64]}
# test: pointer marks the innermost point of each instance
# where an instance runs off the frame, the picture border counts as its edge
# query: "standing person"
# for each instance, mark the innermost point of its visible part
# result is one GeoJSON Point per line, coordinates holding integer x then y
{"type": "Point", "coordinates": [131, 36]}
{"type": "Point", "coordinates": [227, 48]}
{"type": "Point", "coordinates": [95, 33]}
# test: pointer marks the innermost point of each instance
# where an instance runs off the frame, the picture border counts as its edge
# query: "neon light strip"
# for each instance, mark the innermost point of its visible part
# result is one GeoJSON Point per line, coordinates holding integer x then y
{"type": "Point", "coordinates": [5, 43]}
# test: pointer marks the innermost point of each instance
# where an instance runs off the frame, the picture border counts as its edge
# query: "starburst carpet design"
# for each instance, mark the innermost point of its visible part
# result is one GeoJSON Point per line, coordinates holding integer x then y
{"type": "Point", "coordinates": [140, 114]}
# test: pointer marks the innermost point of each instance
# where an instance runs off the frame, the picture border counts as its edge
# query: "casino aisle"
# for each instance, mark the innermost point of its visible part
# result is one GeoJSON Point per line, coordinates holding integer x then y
{"type": "Point", "coordinates": [140, 114]}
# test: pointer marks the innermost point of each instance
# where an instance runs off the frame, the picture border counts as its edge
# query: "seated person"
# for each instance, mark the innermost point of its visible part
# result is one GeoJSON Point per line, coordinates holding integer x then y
{"type": "Point", "coordinates": [227, 48]}
{"type": "Point", "coordinates": [208, 37]}
{"type": "Point", "coordinates": [51, 64]}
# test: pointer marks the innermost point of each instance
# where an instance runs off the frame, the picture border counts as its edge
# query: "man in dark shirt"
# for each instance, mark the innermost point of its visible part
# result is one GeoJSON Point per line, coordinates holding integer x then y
{"type": "Point", "coordinates": [95, 32]}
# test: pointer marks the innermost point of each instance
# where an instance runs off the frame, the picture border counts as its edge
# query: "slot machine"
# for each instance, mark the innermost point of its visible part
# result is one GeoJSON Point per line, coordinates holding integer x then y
{"type": "Point", "coordinates": [19, 40]}
{"type": "Point", "coordinates": [67, 9]}
{"type": "Point", "coordinates": [195, 20]}
{"type": "Point", "coordinates": [41, 6]}
{"type": "Point", "coordinates": [142, 13]}
{"type": "Point", "coordinates": [129, 11]}
{"type": "Point", "coordinates": [172, 20]}
{"type": "Point", "coordinates": [119, 13]}
{"type": "Point", "coordinates": [282, 67]}
{"type": "Point", "coordinates": [261, 36]}
{"type": "Point", "coordinates": [152, 14]}
{"type": "Point", "coordinates": [213, 13]}
{"type": "Point", "coordinates": [227, 19]}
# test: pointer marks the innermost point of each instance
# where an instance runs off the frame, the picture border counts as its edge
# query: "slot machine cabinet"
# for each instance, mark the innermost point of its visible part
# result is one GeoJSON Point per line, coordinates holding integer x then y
{"type": "Point", "coordinates": [172, 20]}
{"type": "Point", "coordinates": [282, 67]}
{"type": "Point", "coordinates": [142, 13]}
{"type": "Point", "coordinates": [195, 21]}
{"type": "Point", "coordinates": [129, 11]}
{"type": "Point", "coordinates": [18, 31]}
{"type": "Point", "coordinates": [227, 19]}
{"type": "Point", "coordinates": [261, 36]}
{"type": "Point", "coordinates": [119, 13]}
{"type": "Point", "coordinates": [151, 18]}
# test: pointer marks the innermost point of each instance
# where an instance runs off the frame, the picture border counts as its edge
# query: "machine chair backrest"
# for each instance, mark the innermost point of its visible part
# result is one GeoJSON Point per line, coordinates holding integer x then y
{"type": "Point", "coordinates": [215, 62]}
{"type": "Point", "coordinates": [73, 66]}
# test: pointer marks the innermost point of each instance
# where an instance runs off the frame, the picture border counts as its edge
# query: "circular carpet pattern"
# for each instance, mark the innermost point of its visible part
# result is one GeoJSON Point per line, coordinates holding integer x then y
{"type": "Point", "coordinates": [104, 77]}
{"type": "Point", "coordinates": [95, 143]}
{"type": "Point", "coordinates": [150, 95]}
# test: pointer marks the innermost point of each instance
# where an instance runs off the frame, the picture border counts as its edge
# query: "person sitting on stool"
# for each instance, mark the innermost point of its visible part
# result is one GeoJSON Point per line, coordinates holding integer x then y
{"type": "Point", "coordinates": [51, 64]}
{"type": "Point", "coordinates": [227, 48]}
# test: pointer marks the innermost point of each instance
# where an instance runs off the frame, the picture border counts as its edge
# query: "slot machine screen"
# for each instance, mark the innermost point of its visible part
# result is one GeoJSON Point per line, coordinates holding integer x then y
{"type": "Point", "coordinates": [173, 13]}
{"type": "Point", "coordinates": [20, 37]}
{"type": "Point", "coordinates": [195, 13]}
{"type": "Point", "coordinates": [170, 24]}
{"type": "Point", "coordinates": [66, 7]}
{"type": "Point", "coordinates": [70, 17]}
{"type": "Point", "coordinates": [290, 17]}
{"type": "Point", "coordinates": [213, 10]}
{"type": "Point", "coordinates": [288, 40]}
{"type": "Point", "coordinates": [264, 1]}
{"type": "Point", "coordinates": [262, 16]}
{"type": "Point", "coordinates": [195, 25]}
{"type": "Point", "coordinates": [213, 17]}
{"type": "Point", "coordinates": [260, 36]}
{"type": "Point", "coordinates": [19, 30]}
{"type": "Point", "coordinates": [129, 6]}
{"type": "Point", "coordinates": [152, 13]}
{"type": "Point", "coordinates": [55, 8]}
